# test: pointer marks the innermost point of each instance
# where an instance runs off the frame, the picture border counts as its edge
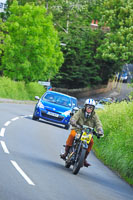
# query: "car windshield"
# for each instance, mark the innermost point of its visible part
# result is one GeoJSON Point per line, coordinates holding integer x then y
{"type": "Point", "coordinates": [74, 102]}
{"type": "Point", "coordinates": [58, 99]}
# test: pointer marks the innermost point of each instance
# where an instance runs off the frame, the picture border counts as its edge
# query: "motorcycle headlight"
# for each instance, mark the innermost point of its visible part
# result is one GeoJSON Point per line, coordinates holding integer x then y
{"type": "Point", "coordinates": [77, 136]}
{"type": "Point", "coordinates": [40, 105]}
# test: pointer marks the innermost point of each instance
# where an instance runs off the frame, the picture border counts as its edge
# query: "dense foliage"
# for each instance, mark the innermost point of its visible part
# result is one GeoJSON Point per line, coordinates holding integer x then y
{"type": "Point", "coordinates": [116, 148]}
{"type": "Point", "coordinates": [91, 56]}
{"type": "Point", "coordinates": [79, 68]}
{"type": "Point", "coordinates": [118, 43]}
{"type": "Point", "coordinates": [31, 46]}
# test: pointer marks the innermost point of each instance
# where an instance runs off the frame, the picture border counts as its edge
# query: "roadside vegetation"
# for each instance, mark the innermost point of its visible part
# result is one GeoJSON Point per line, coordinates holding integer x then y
{"type": "Point", "coordinates": [19, 90]}
{"type": "Point", "coordinates": [75, 44]}
{"type": "Point", "coordinates": [116, 148]}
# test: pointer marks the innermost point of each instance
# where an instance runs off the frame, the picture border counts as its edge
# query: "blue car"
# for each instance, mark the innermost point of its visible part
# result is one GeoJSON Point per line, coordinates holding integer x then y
{"type": "Point", "coordinates": [55, 107]}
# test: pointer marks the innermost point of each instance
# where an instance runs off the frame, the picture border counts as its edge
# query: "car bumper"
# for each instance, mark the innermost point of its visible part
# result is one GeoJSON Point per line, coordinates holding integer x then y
{"type": "Point", "coordinates": [43, 114]}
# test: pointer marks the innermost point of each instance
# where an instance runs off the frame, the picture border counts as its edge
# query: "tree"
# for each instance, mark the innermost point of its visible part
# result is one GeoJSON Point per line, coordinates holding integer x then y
{"type": "Point", "coordinates": [31, 47]}
{"type": "Point", "coordinates": [109, 50]}
{"type": "Point", "coordinates": [117, 45]}
{"type": "Point", "coordinates": [79, 68]}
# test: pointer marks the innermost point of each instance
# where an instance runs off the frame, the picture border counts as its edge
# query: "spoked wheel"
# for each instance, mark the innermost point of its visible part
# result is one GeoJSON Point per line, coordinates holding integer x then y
{"type": "Point", "coordinates": [67, 165]}
{"type": "Point", "coordinates": [68, 161]}
{"type": "Point", "coordinates": [79, 162]}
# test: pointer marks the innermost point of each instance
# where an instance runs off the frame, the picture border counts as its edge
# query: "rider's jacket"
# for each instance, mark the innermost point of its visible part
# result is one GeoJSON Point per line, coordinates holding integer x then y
{"type": "Point", "coordinates": [80, 119]}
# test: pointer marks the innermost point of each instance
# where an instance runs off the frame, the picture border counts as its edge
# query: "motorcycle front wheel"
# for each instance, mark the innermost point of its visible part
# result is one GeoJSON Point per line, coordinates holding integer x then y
{"type": "Point", "coordinates": [80, 161]}
{"type": "Point", "coordinates": [67, 165]}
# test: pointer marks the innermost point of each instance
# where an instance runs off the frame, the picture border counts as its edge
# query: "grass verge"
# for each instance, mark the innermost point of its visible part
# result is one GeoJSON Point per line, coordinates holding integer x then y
{"type": "Point", "coordinates": [116, 148]}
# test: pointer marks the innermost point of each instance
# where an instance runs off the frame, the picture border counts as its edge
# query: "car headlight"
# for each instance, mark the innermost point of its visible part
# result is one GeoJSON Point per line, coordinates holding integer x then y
{"type": "Point", "coordinates": [40, 105]}
{"type": "Point", "coordinates": [67, 112]}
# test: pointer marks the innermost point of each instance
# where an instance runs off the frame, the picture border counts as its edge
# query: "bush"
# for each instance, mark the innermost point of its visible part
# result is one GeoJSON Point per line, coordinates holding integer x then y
{"type": "Point", "coordinates": [19, 90]}
{"type": "Point", "coordinates": [34, 89]}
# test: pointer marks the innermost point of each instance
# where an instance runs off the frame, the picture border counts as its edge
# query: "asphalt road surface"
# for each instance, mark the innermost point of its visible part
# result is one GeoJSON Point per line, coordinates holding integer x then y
{"type": "Point", "coordinates": [120, 91]}
{"type": "Point", "coordinates": [31, 169]}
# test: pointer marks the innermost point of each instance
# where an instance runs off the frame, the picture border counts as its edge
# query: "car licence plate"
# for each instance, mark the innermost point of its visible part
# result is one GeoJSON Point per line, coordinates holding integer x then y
{"type": "Point", "coordinates": [52, 114]}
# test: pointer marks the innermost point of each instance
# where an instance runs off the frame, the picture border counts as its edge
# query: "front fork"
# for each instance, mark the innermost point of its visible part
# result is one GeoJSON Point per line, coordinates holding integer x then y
{"type": "Point", "coordinates": [80, 146]}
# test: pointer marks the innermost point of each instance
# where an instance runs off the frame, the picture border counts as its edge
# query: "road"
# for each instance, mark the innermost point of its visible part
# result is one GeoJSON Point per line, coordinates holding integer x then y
{"type": "Point", "coordinates": [119, 91]}
{"type": "Point", "coordinates": [31, 169]}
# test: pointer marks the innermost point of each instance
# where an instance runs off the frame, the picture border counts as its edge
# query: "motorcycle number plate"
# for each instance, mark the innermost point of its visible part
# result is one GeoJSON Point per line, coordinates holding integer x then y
{"type": "Point", "coordinates": [52, 114]}
{"type": "Point", "coordinates": [86, 138]}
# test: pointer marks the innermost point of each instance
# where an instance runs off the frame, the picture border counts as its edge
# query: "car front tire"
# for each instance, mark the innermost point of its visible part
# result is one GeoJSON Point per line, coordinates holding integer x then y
{"type": "Point", "coordinates": [67, 126]}
{"type": "Point", "coordinates": [34, 117]}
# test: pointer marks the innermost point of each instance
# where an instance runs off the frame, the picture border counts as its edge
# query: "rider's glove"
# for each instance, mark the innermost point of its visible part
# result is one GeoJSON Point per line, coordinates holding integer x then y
{"type": "Point", "coordinates": [100, 133]}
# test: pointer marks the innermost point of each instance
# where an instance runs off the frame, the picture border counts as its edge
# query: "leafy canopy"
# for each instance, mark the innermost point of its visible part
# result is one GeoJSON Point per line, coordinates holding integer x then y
{"type": "Point", "coordinates": [31, 47]}
{"type": "Point", "coordinates": [118, 43]}
{"type": "Point", "coordinates": [92, 57]}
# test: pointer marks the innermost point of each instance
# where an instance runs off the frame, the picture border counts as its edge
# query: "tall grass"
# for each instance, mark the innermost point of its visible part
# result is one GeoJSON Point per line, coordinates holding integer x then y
{"type": "Point", "coordinates": [116, 148]}
{"type": "Point", "coordinates": [19, 90]}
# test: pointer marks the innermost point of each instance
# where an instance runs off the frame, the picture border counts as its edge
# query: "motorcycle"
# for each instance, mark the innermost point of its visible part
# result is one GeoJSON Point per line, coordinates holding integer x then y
{"type": "Point", "coordinates": [77, 151]}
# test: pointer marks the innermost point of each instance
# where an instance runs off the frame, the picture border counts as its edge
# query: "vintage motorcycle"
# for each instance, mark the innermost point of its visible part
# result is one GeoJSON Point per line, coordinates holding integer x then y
{"type": "Point", "coordinates": [77, 151]}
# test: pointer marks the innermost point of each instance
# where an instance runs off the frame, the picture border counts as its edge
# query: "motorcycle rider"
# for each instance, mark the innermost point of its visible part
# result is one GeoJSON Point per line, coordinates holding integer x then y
{"type": "Point", "coordinates": [85, 116]}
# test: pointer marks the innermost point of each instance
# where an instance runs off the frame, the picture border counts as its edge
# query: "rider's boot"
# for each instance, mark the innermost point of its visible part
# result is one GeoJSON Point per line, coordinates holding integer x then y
{"type": "Point", "coordinates": [63, 156]}
{"type": "Point", "coordinates": [86, 164]}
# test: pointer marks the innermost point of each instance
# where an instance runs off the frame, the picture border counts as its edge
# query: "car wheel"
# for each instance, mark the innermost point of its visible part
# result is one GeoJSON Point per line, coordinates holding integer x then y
{"type": "Point", "coordinates": [67, 126]}
{"type": "Point", "coordinates": [34, 117]}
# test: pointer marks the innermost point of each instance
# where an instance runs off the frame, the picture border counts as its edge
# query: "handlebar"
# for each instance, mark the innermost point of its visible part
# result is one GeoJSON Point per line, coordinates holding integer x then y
{"type": "Point", "coordinates": [84, 127]}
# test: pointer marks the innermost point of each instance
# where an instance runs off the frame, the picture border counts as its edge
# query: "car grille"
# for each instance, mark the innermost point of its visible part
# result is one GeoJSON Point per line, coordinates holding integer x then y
{"type": "Point", "coordinates": [60, 118]}
{"type": "Point", "coordinates": [53, 111]}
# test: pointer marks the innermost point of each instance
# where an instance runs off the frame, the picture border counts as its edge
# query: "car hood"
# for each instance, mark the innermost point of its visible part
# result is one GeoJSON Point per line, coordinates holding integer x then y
{"type": "Point", "coordinates": [55, 107]}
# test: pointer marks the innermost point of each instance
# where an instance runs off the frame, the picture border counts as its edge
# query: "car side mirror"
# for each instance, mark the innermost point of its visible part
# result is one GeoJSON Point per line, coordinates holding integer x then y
{"type": "Point", "coordinates": [74, 110]}
{"type": "Point", "coordinates": [37, 98]}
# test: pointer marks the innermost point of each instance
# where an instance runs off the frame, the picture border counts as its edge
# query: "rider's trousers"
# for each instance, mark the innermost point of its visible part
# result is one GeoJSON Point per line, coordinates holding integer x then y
{"type": "Point", "coordinates": [70, 140]}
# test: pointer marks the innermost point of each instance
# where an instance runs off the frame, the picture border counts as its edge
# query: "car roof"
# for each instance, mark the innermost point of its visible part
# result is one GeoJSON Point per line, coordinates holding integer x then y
{"type": "Point", "coordinates": [54, 92]}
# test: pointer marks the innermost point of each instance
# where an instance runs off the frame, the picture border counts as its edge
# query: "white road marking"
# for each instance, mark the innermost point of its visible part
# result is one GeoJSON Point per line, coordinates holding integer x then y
{"type": "Point", "coordinates": [26, 116]}
{"type": "Point", "coordinates": [22, 172]}
{"type": "Point", "coordinates": [6, 150]}
{"type": "Point", "coordinates": [22, 116]}
{"type": "Point", "coordinates": [7, 123]}
{"type": "Point", "coordinates": [15, 118]}
{"type": "Point", "coordinates": [4, 147]}
{"type": "Point", "coordinates": [2, 132]}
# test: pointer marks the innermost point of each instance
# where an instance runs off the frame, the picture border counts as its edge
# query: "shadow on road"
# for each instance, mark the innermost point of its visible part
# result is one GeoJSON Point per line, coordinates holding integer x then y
{"type": "Point", "coordinates": [46, 122]}
{"type": "Point", "coordinates": [115, 185]}
{"type": "Point", "coordinates": [41, 161]}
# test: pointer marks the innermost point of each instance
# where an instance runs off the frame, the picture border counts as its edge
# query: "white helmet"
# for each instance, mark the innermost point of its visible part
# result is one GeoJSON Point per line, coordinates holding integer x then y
{"type": "Point", "coordinates": [90, 102]}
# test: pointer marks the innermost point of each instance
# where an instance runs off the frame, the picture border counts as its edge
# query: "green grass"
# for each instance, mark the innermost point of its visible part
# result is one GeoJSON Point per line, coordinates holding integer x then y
{"type": "Point", "coordinates": [19, 90]}
{"type": "Point", "coordinates": [116, 148]}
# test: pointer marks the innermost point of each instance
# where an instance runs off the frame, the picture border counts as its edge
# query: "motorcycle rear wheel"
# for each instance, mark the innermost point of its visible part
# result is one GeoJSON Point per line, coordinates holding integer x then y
{"type": "Point", "coordinates": [80, 162]}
